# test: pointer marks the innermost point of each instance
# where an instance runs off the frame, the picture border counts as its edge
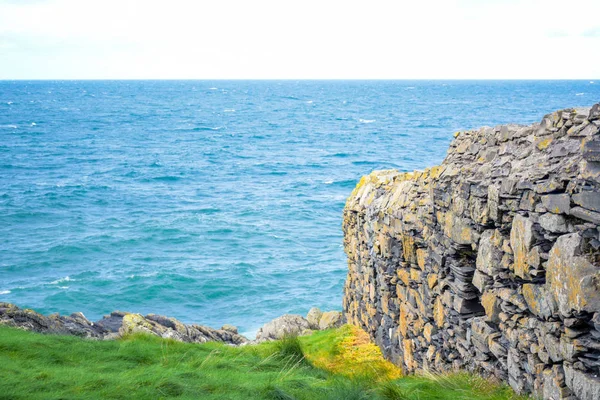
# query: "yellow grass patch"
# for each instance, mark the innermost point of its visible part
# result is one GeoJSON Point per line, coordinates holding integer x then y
{"type": "Point", "coordinates": [349, 351]}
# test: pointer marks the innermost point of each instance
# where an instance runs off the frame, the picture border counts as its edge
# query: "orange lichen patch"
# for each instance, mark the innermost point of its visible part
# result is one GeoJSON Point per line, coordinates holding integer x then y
{"type": "Point", "coordinates": [421, 258]}
{"type": "Point", "coordinates": [353, 354]}
{"type": "Point", "coordinates": [404, 276]}
{"type": "Point", "coordinates": [438, 312]}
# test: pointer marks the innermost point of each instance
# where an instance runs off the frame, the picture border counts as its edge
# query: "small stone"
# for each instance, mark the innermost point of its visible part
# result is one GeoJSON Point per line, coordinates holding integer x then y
{"type": "Point", "coordinates": [585, 215]}
{"type": "Point", "coordinates": [539, 301]}
{"type": "Point", "coordinates": [230, 328]}
{"type": "Point", "coordinates": [591, 150]}
{"type": "Point", "coordinates": [594, 112]}
{"type": "Point", "coordinates": [557, 203]}
{"type": "Point", "coordinates": [491, 304]}
{"type": "Point", "coordinates": [589, 200]}
{"type": "Point", "coordinates": [489, 253]}
{"type": "Point", "coordinates": [549, 186]}
{"type": "Point", "coordinates": [553, 223]}
{"type": "Point", "coordinates": [521, 239]}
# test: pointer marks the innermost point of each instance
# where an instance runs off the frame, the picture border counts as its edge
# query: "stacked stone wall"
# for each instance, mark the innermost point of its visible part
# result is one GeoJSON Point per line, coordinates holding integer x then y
{"type": "Point", "coordinates": [489, 262]}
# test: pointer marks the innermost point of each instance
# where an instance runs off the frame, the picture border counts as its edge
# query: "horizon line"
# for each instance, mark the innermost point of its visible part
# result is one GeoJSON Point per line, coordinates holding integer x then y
{"type": "Point", "coordinates": [298, 79]}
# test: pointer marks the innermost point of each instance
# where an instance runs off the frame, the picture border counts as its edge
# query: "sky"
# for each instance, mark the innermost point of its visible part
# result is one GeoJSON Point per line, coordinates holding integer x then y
{"type": "Point", "coordinates": [289, 39]}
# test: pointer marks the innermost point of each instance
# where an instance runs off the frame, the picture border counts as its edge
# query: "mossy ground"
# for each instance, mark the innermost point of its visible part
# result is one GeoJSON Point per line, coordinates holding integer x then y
{"type": "Point", "coordinates": [338, 364]}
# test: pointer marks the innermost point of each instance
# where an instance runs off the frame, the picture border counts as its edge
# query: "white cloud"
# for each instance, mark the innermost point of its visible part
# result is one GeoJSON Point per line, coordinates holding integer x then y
{"type": "Point", "coordinates": [298, 39]}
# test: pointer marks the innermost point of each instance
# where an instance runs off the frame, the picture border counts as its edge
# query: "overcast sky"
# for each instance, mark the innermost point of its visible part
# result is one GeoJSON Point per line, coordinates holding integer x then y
{"type": "Point", "coordinates": [179, 39]}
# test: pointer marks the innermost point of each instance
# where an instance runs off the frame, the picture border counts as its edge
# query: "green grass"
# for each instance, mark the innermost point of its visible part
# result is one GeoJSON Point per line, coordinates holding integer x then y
{"type": "Point", "coordinates": [34, 366]}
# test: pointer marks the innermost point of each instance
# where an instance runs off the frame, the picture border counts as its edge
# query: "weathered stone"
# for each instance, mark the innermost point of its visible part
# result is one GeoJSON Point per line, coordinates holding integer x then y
{"type": "Point", "coordinates": [489, 253]}
{"type": "Point", "coordinates": [491, 304]}
{"type": "Point", "coordinates": [554, 384]}
{"type": "Point", "coordinates": [314, 317]}
{"type": "Point", "coordinates": [481, 281]}
{"type": "Point", "coordinates": [573, 280]}
{"type": "Point", "coordinates": [331, 319]}
{"type": "Point", "coordinates": [585, 386]}
{"type": "Point", "coordinates": [553, 223]}
{"type": "Point", "coordinates": [521, 239]}
{"type": "Point", "coordinates": [585, 215]}
{"type": "Point", "coordinates": [591, 150]}
{"type": "Point", "coordinates": [458, 230]}
{"type": "Point", "coordinates": [230, 328]}
{"type": "Point", "coordinates": [549, 186]}
{"type": "Point", "coordinates": [557, 203]}
{"type": "Point", "coordinates": [539, 301]}
{"type": "Point", "coordinates": [594, 112]}
{"type": "Point", "coordinates": [286, 325]}
{"type": "Point", "coordinates": [588, 199]}
{"type": "Point", "coordinates": [76, 324]}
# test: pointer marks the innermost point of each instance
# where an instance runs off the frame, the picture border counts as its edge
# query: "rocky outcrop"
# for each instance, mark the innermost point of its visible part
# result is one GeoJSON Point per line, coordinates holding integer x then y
{"type": "Point", "coordinates": [116, 324]}
{"type": "Point", "coordinates": [286, 325]}
{"type": "Point", "coordinates": [119, 323]}
{"type": "Point", "coordinates": [297, 325]}
{"type": "Point", "coordinates": [490, 261]}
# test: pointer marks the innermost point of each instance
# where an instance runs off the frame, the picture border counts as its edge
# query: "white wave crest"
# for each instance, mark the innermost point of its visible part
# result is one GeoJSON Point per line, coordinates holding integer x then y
{"type": "Point", "coordinates": [4, 292]}
{"type": "Point", "coordinates": [61, 280]}
{"type": "Point", "coordinates": [366, 121]}
{"type": "Point", "coordinates": [579, 94]}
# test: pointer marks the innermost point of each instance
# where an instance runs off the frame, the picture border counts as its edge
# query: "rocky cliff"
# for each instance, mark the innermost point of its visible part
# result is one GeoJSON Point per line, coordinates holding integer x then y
{"type": "Point", "coordinates": [490, 261]}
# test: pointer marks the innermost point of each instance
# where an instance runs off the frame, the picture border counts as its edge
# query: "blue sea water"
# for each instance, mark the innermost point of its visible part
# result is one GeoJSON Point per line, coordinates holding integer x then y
{"type": "Point", "coordinates": [214, 201]}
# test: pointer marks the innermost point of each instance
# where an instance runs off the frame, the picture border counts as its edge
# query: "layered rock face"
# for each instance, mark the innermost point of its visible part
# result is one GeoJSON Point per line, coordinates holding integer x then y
{"type": "Point", "coordinates": [117, 324]}
{"type": "Point", "coordinates": [490, 261]}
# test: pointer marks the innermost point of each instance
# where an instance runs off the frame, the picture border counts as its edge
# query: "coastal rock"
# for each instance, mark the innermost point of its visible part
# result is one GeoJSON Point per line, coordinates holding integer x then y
{"type": "Point", "coordinates": [75, 324]}
{"type": "Point", "coordinates": [313, 317]}
{"type": "Point", "coordinates": [286, 325]}
{"type": "Point", "coordinates": [230, 328]}
{"type": "Point", "coordinates": [116, 324]}
{"type": "Point", "coordinates": [331, 319]}
{"type": "Point", "coordinates": [489, 262]}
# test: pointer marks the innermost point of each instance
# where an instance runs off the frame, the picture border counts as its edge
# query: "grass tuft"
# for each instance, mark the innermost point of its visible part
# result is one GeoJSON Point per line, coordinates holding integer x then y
{"type": "Point", "coordinates": [290, 348]}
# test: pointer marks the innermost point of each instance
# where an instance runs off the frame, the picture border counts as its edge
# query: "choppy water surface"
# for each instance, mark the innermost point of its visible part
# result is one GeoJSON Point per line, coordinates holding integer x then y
{"type": "Point", "coordinates": [214, 202]}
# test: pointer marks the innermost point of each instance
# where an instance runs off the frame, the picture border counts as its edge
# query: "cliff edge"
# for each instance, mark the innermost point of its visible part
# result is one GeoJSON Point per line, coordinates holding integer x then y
{"type": "Point", "coordinates": [489, 262]}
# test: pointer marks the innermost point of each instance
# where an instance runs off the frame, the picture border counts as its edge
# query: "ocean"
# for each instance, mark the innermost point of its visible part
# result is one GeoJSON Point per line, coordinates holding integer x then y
{"type": "Point", "coordinates": [215, 201]}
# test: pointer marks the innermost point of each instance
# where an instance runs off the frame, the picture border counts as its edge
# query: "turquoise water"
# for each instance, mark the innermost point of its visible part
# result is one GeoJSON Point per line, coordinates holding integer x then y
{"type": "Point", "coordinates": [214, 202]}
